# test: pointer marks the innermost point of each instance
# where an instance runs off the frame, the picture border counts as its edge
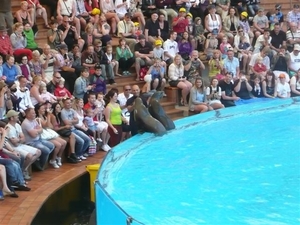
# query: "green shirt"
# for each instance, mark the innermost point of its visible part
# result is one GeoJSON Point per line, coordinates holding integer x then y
{"type": "Point", "coordinates": [126, 53]}
{"type": "Point", "coordinates": [31, 44]}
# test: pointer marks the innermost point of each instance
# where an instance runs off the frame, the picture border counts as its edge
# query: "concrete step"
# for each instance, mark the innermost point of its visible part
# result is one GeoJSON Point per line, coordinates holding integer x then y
{"type": "Point", "coordinates": [168, 105]}
{"type": "Point", "coordinates": [175, 113]}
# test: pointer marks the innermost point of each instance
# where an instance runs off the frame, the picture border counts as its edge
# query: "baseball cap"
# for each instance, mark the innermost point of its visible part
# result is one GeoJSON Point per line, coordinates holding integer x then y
{"type": "Point", "coordinates": [244, 14]}
{"type": "Point", "coordinates": [297, 47]}
{"type": "Point", "coordinates": [182, 10]}
{"type": "Point", "coordinates": [158, 42]}
{"type": "Point", "coordinates": [11, 113]}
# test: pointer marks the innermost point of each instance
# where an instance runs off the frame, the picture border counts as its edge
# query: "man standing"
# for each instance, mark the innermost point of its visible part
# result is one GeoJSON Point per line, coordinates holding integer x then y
{"type": "Point", "coordinates": [122, 98]}
{"type": "Point", "coordinates": [5, 14]}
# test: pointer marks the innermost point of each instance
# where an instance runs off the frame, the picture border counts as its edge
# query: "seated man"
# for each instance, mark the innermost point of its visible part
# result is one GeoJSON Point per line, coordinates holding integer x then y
{"type": "Point", "coordinates": [278, 39]}
{"type": "Point", "coordinates": [5, 44]}
{"type": "Point", "coordinates": [228, 95]}
{"type": "Point", "coordinates": [193, 67]}
{"type": "Point", "coordinates": [266, 60]}
{"type": "Point", "coordinates": [89, 59]}
{"type": "Point", "coordinates": [143, 52]}
{"type": "Point", "coordinates": [166, 7]}
{"type": "Point", "coordinates": [24, 96]}
{"type": "Point", "coordinates": [170, 48]}
{"type": "Point", "coordinates": [126, 30]}
{"type": "Point", "coordinates": [292, 36]}
{"type": "Point", "coordinates": [242, 88]}
{"type": "Point", "coordinates": [231, 64]}
{"type": "Point", "coordinates": [293, 16]}
{"type": "Point", "coordinates": [152, 31]}
{"type": "Point", "coordinates": [10, 71]}
{"type": "Point", "coordinates": [294, 63]}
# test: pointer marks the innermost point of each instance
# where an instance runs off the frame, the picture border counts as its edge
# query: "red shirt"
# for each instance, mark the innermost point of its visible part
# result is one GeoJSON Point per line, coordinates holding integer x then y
{"type": "Point", "coordinates": [5, 45]}
{"type": "Point", "coordinates": [89, 106]}
{"type": "Point", "coordinates": [180, 27]}
{"type": "Point", "coordinates": [62, 92]}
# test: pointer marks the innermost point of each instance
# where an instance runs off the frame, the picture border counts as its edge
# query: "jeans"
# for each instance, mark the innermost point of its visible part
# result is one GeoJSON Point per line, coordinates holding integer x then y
{"type": "Point", "coordinates": [107, 71]}
{"type": "Point", "coordinates": [19, 160]}
{"type": "Point", "coordinates": [253, 9]}
{"type": "Point", "coordinates": [13, 172]}
{"type": "Point", "coordinates": [82, 142]}
{"type": "Point", "coordinates": [46, 148]}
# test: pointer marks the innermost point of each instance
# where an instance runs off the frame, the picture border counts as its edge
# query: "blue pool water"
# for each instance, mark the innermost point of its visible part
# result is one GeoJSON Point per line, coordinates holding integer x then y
{"type": "Point", "coordinates": [241, 166]}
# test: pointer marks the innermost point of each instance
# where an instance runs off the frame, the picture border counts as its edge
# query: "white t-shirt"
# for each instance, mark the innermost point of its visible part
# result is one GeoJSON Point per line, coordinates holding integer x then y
{"type": "Point", "coordinates": [295, 61]}
{"type": "Point", "coordinates": [258, 43]}
{"type": "Point", "coordinates": [171, 47]}
{"type": "Point", "coordinates": [295, 82]}
{"type": "Point", "coordinates": [283, 89]}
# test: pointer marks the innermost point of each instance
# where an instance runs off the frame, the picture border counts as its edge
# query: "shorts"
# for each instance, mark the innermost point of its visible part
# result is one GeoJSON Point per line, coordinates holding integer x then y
{"type": "Point", "coordinates": [101, 126]}
{"type": "Point", "coordinates": [24, 150]}
{"type": "Point", "coordinates": [174, 83]}
{"type": "Point", "coordinates": [125, 127]}
{"type": "Point", "coordinates": [93, 128]}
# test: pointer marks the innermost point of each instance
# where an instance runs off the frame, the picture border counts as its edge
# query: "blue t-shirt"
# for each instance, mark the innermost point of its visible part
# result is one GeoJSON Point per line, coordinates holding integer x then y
{"type": "Point", "coordinates": [156, 74]}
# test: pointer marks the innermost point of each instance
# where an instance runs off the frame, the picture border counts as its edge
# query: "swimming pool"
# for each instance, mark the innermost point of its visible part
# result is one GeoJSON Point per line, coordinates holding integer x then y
{"type": "Point", "coordinates": [240, 165]}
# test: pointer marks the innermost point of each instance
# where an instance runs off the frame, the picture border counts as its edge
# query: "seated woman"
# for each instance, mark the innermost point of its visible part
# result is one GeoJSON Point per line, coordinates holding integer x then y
{"type": "Point", "coordinates": [23, 16]}
{"type": "Point", "coordinates": [213, 94]}
{"type": "Point", "coordinates": [64, 131]}
{"type": "Point", "coordinates": [38, 10]}
{"type": "Point", "coordinates": [136, 12]}
{"type": "Point", "coordinates": [257, 87]}
{"type": "Point", "coordinates": [185, 46]}
{"type": "Point", "coordinates": [34, 91]}
{"type": "Point", "coordinates": [37, 68]}
{"type": "Point", "coordinates": [108, 11]}
{"type": "Point", "coordinates": [60, 144]}
{"type": "Point", "coordinates": [24, 68]}
{"type": "Point", "coordinates": [102, 30]}
{"type": "Point", "coordinates": [88, 36]}
{"type": "Point", "coordinates": [155, 76]}
{"type": "Point", "coordinates": [54, 35]}
{"type": "Point", "coordinates": [244, 25]}
{"type": "Point", "coordinates": [242, 46]}
{"type": "Point", "coordinates": [213, 21]}
{"type": "Point", "coordinates": [164, 27]}
{"type": "Point", "coordinates": [198, 102]}
{"type": "Point", "coordinates": [177, 79]}
{"type": "Point", "coordinates": [269, 85]}
{"type": "Point", "coordinates": [231, 23]}
{"type": "Point", "coordinates": [121, 8]}
{"type": "Point", "coordinates": [124, 56]}
{"type": "Point", "coordinates": [19, 42]}
{"type": "Point", "coordinates": [295, 84]}
{"type": "Point", "coordinates": [216, 65]}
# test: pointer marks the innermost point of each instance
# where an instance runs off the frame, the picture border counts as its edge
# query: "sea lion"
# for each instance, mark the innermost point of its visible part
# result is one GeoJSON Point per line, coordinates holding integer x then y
{"type": "Point", "coordinates": [157, 111]}
{"type": "Point", "coordinates": [142, 115]}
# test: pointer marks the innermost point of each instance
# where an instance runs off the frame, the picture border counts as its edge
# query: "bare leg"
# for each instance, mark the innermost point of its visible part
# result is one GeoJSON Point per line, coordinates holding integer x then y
{"type": "Point", "coordinates": [44, 15]}
{"type": "Point", "coordinates": [3, 179]}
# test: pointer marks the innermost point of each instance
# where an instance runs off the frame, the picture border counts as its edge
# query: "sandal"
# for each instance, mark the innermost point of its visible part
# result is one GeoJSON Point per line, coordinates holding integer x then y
{"type": "Point", "coordinates": [46, 26]}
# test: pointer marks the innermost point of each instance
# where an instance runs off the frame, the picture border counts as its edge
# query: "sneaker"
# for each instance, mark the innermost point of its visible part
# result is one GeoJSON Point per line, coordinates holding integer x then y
{"type": "Point", "coordinates": [54, 164]}
{"type": "Point", "coordinates": [164, 94]}
{"type": "Point", "coordinates": [124, 73]}
{"type": "Point", "coordinates": [86, 155]}
{"type": "Point", "coordinates": [106, 148]}
{"type": "Point", "coordinates": [99, 139]}
{"type": "Point", "coordinates": [82, 157]}
{"type": "Point", "coordinates": [58, 161]}
{"type": "Point", "coordinates": [71, 160]}
{"type": "Point", "coordinates": [79, 159]}
{"type": "Point", "coordinates": [26, 175]}
{"type": "Point", "coordinates": [128, 73]}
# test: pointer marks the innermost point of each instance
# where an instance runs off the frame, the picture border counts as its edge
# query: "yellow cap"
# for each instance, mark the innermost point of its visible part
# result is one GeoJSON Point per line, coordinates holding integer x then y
{"type": "Point", "coordinates": [190, 15]}
{"type": "Point", "coordinates": [182, 10]}
{"type": "Point", "coordinates": [136, 24]}
{"type": "Point", "coordinates": [95, 11]}
{"type": "Point", "coordinates": [244, 14]}
{"type": "Point", "coordinates": [158, 42]}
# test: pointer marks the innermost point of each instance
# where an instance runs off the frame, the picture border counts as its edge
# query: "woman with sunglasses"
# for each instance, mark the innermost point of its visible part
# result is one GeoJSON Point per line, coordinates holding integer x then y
{"type": "Point", "coordinates": [242, 46]}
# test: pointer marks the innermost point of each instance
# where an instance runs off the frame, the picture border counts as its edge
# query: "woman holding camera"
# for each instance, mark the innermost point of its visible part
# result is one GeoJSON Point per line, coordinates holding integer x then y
{"type": "Point", "coordinates": [19, 42]}
{"type": "Point", "coordinates": [214, 93]}
{"type": "Point", "coordinates": [177, 79]}
{"type": "Point", "coordinates": [198, 101]}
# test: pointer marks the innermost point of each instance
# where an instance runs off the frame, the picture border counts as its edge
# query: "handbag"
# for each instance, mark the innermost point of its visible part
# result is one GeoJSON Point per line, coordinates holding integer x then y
{"type": "Point", "coordinates": [64, 132]}
{"type": "Point", "coordinates": [48, 134]}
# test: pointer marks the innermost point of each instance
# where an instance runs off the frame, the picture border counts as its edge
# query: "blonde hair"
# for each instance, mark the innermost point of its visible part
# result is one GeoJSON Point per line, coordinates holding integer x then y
{"type": "Point", "coordinates": [89, 26]}
{"type": "Point", "coordinates": [36, 78]}
{"type": "Point", "coordinates": [16, 26]}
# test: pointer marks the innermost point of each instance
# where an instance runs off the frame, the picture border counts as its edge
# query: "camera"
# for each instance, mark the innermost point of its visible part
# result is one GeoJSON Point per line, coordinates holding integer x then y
{"type": "Point", "coordinates": [195, 59]}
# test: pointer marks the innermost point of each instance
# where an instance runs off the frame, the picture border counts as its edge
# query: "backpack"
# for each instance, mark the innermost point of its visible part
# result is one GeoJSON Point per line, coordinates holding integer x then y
{"type": "Point", "coordinates": [143, 72]}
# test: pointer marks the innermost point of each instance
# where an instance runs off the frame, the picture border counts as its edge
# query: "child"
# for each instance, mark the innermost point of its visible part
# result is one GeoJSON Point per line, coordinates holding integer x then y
{"type": "Point", "coordinates": [158, 52]}
{"type": "Point", "coordinates": [111, 60]}
{"type": "Point", "coordinates": [90, 123]}
{"type": "Point", "coordinates": [98, 80]}
{"type": "Point", "coordinates": [260, 68]}
{"type": "Point", "coordinates": [61, 91]}
{"type": "Point", "coordinates": [190, 27]}
{"type": "Point", "coordinates": [199, 34]}
{"type": "Point", "coordinates": [155, 76]}
{"type": "Point", "coordinates": [137, 29]}
{"type": "Point", "coordinates": [224, 46]}
{"type": "Point", "coordinates": [211, 43]}
{"type": "Point", "coordinates": [47, 96]}
{"type": "Point", "coordinates": [100, 104]}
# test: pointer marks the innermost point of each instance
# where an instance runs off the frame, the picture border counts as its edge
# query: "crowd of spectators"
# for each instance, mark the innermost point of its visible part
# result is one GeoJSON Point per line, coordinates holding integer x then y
{"type": "Point", "coordinates": [64, 93]}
